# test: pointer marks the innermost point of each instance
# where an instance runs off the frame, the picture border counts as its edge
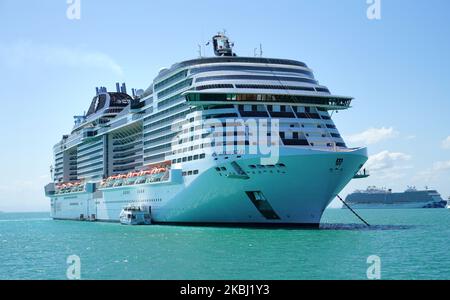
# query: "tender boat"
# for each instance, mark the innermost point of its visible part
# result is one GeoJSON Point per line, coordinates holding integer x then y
{"type": "Point", "coordinates": [134, 215]}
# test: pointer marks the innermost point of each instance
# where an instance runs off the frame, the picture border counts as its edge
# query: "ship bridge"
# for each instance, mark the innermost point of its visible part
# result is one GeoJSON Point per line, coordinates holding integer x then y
{"type": "Point", "coordinates": [200, 98]}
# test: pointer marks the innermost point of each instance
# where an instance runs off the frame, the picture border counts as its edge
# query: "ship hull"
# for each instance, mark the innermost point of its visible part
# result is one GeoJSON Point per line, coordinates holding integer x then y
{"type": "Point", "coordinates": [293, 194]}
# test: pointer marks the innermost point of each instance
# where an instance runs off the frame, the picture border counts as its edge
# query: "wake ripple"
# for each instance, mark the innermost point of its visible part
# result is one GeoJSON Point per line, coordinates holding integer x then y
{"type": "Point", "coordinates": [360, 227]}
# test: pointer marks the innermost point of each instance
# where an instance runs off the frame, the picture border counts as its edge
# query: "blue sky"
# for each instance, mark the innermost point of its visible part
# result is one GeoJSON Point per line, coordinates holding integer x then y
{"type": "Point", "coordinates": [397, 68]}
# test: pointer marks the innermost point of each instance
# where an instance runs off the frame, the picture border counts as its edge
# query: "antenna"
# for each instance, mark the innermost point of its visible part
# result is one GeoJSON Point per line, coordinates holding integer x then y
{"type": "Point", "coordinates": [199, 50]}
{"type": "Point", "coordinates": [255, 50]}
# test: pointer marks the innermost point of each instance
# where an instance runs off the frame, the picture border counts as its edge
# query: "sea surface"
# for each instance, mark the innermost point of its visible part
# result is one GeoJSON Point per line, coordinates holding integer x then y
{"type": "Point", "coordinates": [411, 244]}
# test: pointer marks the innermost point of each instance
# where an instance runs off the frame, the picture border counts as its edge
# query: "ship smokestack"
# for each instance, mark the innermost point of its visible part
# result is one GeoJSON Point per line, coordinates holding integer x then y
{"type": "Point", "coordinates": [117, 87]}
{"type": "Point", "coordinates": [124, 88]}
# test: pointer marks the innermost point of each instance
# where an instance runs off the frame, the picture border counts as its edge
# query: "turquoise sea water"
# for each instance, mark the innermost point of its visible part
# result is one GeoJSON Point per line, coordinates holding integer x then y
{"type": "Point", "coordinates": [412, 244]}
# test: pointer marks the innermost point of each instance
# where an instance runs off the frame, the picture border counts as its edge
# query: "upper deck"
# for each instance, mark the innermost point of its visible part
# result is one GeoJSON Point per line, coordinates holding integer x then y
{"type": "Point", "coordinates": [121, 132]}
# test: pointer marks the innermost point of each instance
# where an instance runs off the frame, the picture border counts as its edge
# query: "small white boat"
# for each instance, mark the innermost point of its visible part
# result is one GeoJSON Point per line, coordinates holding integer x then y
{"type": "Point", "coordinates": [135, 215]}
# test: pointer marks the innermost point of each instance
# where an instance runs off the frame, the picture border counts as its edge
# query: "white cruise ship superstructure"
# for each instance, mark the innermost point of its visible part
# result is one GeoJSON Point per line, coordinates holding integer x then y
{"type": "Point", "coordinates": [184, 149]}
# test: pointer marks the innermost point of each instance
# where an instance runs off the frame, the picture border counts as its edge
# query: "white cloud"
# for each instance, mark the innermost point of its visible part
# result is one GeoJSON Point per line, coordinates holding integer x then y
{"type": "Point", "coordinates": [434, 172]}
{"type": "Point", "coordinates": [388, 165]}
{"type": "Point", "coordinates": [386, 160]}
{"type": "Point", "coordinates": [441, 166]}
{"type": "Point", "coordinates": [446, 143]}
{"type": "Point", "coordinates": [373, 135]}
{"type": "Point", "coordinates": [25, 53]}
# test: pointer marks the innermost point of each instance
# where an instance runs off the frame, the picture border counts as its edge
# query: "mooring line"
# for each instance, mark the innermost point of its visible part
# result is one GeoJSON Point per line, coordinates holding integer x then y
{"type": "Point", "coordinates": [354, 212]}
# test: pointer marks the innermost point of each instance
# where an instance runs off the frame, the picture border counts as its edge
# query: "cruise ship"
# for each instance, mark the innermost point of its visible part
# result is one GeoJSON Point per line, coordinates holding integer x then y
{"type": "Point", "coordinates": [214, 140]}
{"type": "Point", "coordinates": [374, 197]}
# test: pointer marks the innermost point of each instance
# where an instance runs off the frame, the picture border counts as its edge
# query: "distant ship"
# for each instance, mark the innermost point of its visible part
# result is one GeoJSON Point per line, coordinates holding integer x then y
{"type": "Point", "coordinates": [374, 197]}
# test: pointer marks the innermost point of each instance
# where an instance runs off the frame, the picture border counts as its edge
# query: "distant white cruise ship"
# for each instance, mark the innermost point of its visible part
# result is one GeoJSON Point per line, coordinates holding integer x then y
{"type": "Point", "coordinates": [381, 198]}
{"type": "Point", "coordinates": [184, 149]}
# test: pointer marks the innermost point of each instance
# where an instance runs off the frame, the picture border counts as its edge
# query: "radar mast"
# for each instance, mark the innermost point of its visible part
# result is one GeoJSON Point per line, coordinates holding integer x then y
{"type": "Point", "coordinates": [222, 45]}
